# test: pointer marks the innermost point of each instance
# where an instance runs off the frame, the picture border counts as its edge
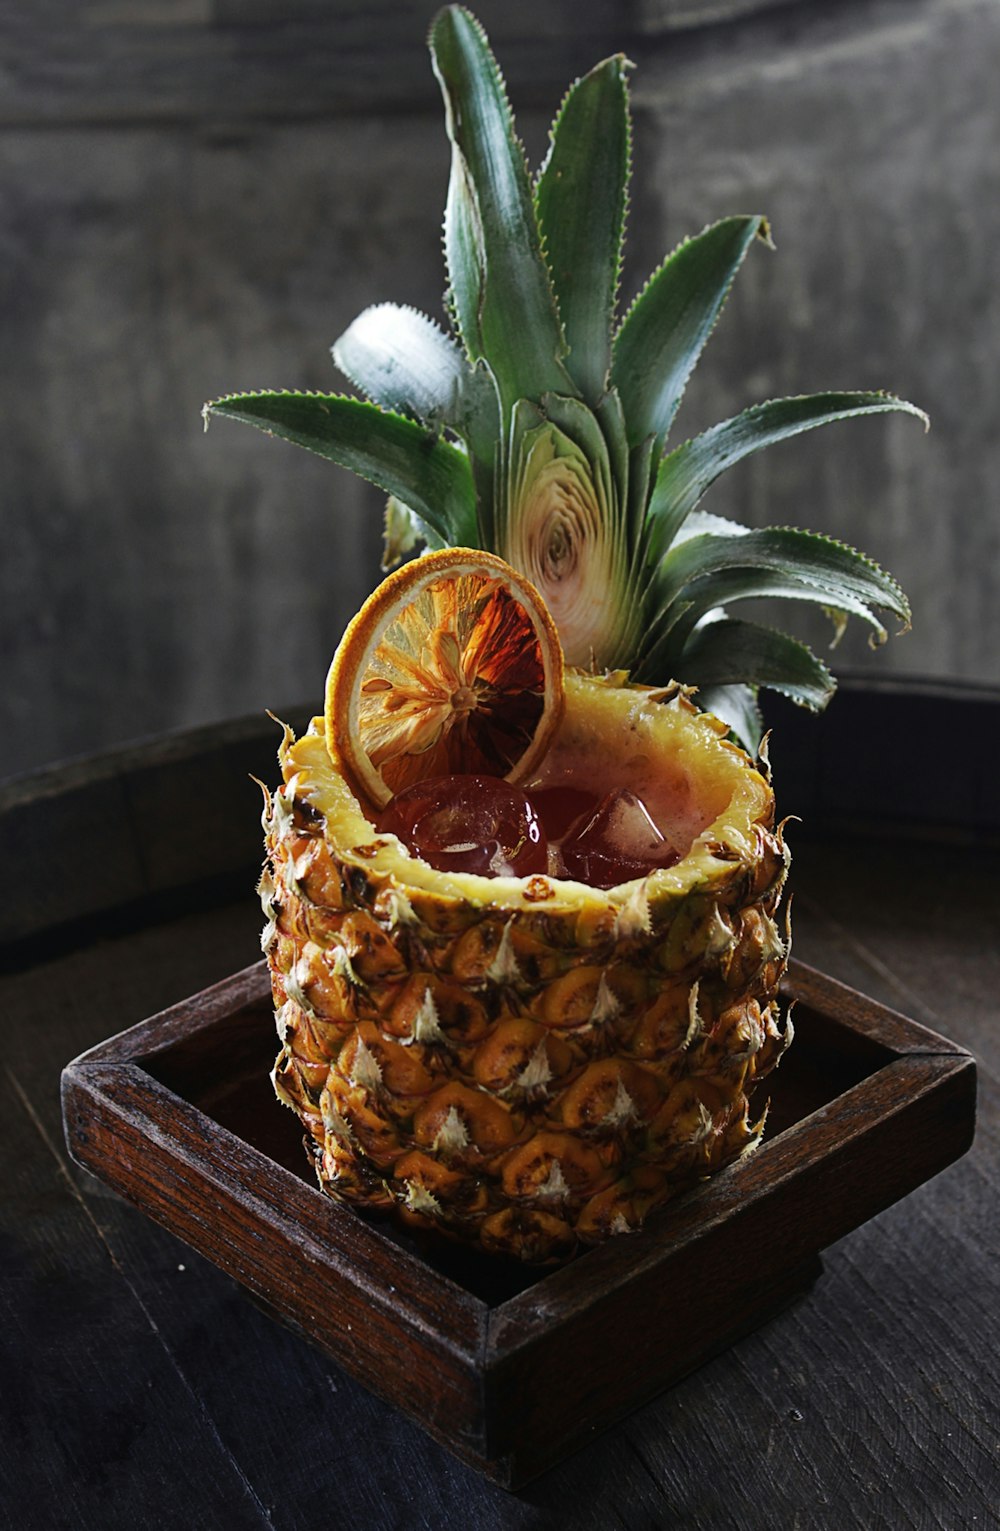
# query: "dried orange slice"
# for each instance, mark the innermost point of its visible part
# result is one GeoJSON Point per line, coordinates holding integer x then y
{"type": "Point", "coordinates": [452, 665]}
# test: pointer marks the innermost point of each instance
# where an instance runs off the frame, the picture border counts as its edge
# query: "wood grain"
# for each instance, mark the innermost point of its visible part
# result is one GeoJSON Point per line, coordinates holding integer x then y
{"type": "Point", "coordinates": [62, 1279]}
{"type": "Point", "coordinates": [838, 1412]}
{"type": "Point", "coordinates": [872, 1403]}
{"type": "Point", "coordinates": [513, 1388]}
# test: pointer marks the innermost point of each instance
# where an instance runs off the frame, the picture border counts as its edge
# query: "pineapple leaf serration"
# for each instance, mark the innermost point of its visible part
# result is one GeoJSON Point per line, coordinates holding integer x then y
{"type": "Point", "coordinates": [540, 431]}
{"type": "Point", "coordinates": [406, 363]}
{"type": "Point", "coordinates": [581, 198]}
{"type": "Point", "coordinates": [666, 328]}
{"type": "Point", "coordinates": [499, 280]}
{"type": "Point", "coordinates": [708, 571]}
{"type": "Point", "coordinates": [405, 458]}
{"type": "Point", "coordinates": [691, 468]}
{"type": "Point", "coordinates": [725, 652]}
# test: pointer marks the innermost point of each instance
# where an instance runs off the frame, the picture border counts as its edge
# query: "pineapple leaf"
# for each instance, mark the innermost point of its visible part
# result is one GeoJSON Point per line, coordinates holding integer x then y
{"type": "Point", "coordinates": [611, 418]}
{"type": "Point", "coordinates": [581, 198]}
{"type": "Point", "coordinates": [405, 459]}
{"type": "Point", "coordinates": [465, 259]}
{"type": "Point", "coordinates": [642, 459]}
{"type": "Point", "coordinates": [492, 245]}
{"type": "Point", "coordinates": [583, 427]}
{"type": "Point", "coordinates": [726, 651]}
{"type": "Point", "coordinates": [843, 575]}
{"type": "Point", "coordinates": [563, 524]}
{"type": "Point", "coordinates": [690, 469]}
{"type": "Point", "coordinates": [405, 362]}
{"type": "Point", "coordinates": [737, 706]}
{"type": "Point", "coordinates": [668, 633]}
{"type": "Point", "coordinates": [665, 331]}
{"type": "Point", "coordinates": [710, 570]}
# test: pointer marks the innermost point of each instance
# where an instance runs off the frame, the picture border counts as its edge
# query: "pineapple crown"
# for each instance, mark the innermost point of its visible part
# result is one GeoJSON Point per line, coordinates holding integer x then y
{"type": "Point", "coordinates": [539, 430]}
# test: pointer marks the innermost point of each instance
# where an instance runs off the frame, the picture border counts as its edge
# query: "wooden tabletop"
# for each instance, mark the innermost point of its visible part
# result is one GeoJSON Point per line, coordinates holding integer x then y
{"type": "Point", "coordinates": [141, 1386]}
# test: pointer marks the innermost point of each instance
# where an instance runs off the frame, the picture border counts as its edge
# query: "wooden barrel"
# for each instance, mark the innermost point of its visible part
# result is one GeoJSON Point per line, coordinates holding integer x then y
{"type": "Point", "coordinates": [130, 834]}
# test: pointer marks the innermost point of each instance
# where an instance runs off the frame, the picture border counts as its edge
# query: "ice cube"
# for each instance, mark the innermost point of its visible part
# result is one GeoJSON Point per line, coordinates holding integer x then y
{"type": "Point", "coordinates": [618, 842]}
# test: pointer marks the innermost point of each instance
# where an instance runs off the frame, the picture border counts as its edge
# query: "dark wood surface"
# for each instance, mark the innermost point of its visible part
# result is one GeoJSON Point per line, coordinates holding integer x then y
{"type": "Point", "coordinates": [139, 1385]}
{"type": "Point", "coordinates": [513, 1368]}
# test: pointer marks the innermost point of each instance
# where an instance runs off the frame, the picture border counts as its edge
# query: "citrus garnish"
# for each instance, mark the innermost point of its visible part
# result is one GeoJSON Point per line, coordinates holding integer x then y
{"type": "Point", "coordinates": [452, 666]}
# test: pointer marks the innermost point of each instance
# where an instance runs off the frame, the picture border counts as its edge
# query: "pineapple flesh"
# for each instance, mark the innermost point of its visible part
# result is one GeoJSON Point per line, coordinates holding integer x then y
{"type": "Point", "coordinates": [530, 1064]}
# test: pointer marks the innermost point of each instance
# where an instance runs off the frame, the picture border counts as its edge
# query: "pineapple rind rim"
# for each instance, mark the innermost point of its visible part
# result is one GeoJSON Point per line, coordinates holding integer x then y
{"type": "Point", "coordinates": [721, 851]}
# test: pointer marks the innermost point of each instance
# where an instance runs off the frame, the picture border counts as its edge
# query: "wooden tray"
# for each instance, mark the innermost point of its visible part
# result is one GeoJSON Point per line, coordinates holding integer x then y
{"type": "Point", "coordinates": [508, 1368]}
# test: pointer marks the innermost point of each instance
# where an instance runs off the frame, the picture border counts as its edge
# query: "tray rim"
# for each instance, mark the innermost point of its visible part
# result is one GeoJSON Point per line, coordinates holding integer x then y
{"type": "Point", "coordinates": [484, 1355]}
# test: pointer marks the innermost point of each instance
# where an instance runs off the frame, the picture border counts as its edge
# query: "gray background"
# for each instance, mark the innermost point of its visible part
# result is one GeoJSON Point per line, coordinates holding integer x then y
{"type": "Point", "coordinates": [197, 197]}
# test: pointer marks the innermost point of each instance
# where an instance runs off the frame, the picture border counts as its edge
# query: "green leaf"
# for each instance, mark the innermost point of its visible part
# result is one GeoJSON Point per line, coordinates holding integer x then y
{"type": "Point", "coordinates": [669, 631]}
{"type": "Point", "coordinates": [737, 706]}
{"type": "Point", "coordinates": [726, 651]}
{"type": "Point", "coordinates": [842, 575]}
{"type": "Point", "coordinates": [581, 198]}
{"type": "Point", "coordinates": [465, 258]}
{"type": "Point", "coordinates": [500, 286]}
{"type": "Point", "coordinates": [640, 476]}
{"type": "Point", "coordinates": [709, 571]}
{"type": "Point", "coordinates": [428, 474]}
{"type": "Point", "coordinates": [405, 362]}
{"type": "Point", "coordinates": [688, 471]}
{"type": "Point", "coordinates": [664, 332]}
{"type": "Point", "coordinates": [611, 418]}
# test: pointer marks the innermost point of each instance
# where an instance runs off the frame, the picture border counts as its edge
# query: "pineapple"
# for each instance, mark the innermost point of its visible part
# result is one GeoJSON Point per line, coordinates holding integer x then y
{"type": "Point", "coordinates": [531, 1064]}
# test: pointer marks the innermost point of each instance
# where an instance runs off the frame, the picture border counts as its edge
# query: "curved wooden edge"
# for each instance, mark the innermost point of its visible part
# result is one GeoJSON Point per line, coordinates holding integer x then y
{"type": "Point", "coordinates": [877, 1023]}
{"type": "Point", "coordinates": [871, 763]}
{"type": "Point", "coordinates": [105, 844]}
{"type": "Point", "coordinates": [241, 991]}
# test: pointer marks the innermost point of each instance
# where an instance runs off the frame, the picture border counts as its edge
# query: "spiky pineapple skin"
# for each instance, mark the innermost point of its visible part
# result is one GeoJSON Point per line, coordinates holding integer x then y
{"type": "Point", "coordinates": [529, 1075]}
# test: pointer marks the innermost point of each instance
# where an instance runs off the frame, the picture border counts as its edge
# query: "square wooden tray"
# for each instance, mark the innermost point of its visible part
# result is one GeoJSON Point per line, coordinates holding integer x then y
{"type": "Point", "coordinates": [512, 1369]}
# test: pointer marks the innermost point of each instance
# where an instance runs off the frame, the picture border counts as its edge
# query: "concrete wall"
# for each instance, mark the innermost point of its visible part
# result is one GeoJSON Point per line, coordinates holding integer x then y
{"type": "Point", "coordinates": [198, 197]}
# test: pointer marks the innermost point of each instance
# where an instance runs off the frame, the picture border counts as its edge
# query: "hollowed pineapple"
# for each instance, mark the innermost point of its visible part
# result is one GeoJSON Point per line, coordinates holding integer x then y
{"type": "Point", "coordinates": [530, 1064]}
